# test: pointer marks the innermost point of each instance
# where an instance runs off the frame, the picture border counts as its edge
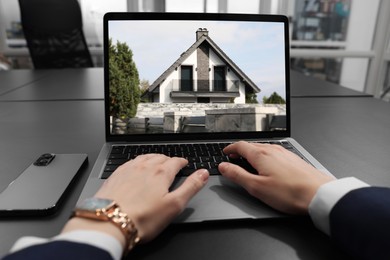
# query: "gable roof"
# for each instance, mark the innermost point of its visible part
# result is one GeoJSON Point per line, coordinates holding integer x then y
{"type": "Point", "coordinates": [204, 38]}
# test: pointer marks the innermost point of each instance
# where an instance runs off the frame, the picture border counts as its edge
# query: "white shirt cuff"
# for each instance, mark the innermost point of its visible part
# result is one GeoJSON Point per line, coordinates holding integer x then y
{"type": "Point", "coordinates": [327, 196]}
{"type": "Point", "coordinates": [93, 238]}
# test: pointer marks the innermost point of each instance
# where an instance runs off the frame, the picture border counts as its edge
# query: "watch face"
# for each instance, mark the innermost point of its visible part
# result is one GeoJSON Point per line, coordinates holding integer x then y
{"type": "Point", "coordinates": [95, 203]}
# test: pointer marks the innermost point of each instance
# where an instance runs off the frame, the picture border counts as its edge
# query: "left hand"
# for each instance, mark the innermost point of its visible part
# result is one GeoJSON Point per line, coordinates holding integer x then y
{"type": "Point", "coordinates": [141, 188]}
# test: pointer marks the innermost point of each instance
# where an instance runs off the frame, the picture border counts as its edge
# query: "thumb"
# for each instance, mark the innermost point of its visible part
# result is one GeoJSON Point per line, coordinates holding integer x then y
{"type": "Point", "coordinates": [190, 187]}
{"type": "Point", "coordinates": [236, 174]}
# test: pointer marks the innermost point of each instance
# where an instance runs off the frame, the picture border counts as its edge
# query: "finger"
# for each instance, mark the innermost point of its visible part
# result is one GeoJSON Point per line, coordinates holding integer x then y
{"type": "Point", "coordinates": [238, 175]}
{"type": "Point", "coordinates": [144, 159]}
{"type": "Point", "coordinates": [189, 188]}
{"type": "Point", "coordinates": [241, 148]}
{"type": "Point", "coordinates": [173, 165]}
{"type": "Point", "coordinates": [151, 158]}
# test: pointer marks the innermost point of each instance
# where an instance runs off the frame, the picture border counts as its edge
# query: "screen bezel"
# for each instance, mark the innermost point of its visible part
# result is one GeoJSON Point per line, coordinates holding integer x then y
{"type": "Point", "coordinates": [195, 136]}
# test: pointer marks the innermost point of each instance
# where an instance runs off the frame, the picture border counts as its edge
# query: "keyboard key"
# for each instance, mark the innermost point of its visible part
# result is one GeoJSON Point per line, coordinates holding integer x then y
{"type": "Point", "coordinates": [116, 161]}
{"type": "Point", "coordinates": [214, 171]}
{"type": "Point", "coordinates": [118, 156]}
{"type": "Point", "coordinates": [105, 175]}
{"type": "Point", "coordinates": [117, 149]}
{"type": "Point", "coordinates": [220, 159]}
{"type": "Point", "coordinates": [110, 168]}
{"type": "Point", "coordinates": [193, 159]}
{"type": "Point", "coordinates": [202, 165]}
{"type": "Point", "coordinates": [206, 159]}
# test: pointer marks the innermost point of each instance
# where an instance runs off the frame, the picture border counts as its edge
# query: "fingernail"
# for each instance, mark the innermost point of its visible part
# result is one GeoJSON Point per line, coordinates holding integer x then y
{"type": "Point", "coordinates": [221, 166]}
{"type": "Point", "coordinates": [203, 174]}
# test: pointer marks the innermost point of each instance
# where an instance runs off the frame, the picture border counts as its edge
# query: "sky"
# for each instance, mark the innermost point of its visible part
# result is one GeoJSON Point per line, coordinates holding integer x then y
{"type": "Point", "coordinates": [257, 48]}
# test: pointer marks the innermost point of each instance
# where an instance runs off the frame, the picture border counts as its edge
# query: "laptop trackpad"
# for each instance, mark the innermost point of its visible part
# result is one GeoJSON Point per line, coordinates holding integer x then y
{"type": "Point", "coordinates": [221, 199]}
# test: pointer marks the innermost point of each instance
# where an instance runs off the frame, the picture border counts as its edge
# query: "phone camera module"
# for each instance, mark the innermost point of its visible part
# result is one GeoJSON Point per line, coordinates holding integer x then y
{"type": "Point", "coordinates": [44, 159]}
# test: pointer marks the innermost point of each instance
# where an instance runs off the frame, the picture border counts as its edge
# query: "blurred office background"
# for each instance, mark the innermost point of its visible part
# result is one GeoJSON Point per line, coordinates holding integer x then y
{"type": "Point", "coordinates": [341, 41]}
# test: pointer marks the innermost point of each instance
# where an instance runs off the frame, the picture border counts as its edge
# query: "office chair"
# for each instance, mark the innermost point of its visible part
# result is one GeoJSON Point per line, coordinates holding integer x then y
{"type": "Point", "coordinates": [54, 33]}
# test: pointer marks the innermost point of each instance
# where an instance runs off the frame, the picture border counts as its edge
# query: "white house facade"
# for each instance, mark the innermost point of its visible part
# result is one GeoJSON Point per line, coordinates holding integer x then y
{"type": "Point", "coordinates": [202, 74]}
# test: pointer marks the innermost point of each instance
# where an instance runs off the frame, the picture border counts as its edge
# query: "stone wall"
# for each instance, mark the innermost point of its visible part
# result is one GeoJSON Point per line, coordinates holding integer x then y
{"type": "Point", "coordinates": [157, 110]}
{"type": "Point", "coordinates": [217, 116]}
{"type": "Point", "coordinates": [239, 119]}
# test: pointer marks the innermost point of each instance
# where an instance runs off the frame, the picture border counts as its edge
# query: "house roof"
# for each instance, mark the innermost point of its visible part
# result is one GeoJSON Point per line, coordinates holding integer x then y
{"type": "Point", "coordinates": [204, 38]}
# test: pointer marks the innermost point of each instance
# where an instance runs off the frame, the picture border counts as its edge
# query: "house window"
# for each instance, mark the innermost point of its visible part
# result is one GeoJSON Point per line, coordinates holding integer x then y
{"type": "Point", "coordinates": [203, 100]}
{"type": "Point", "coordinates": [186, 82]}
{"type": "Point", "coordinates": [219, 78]}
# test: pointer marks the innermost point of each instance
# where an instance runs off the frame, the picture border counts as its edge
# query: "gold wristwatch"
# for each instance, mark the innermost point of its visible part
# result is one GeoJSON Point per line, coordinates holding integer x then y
{"type": "Point", "coordinates": [107, 210]}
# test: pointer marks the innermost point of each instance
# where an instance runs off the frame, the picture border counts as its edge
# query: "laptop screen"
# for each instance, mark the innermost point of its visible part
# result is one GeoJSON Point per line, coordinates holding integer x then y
{"type": "Point", "coordinates": [196, 75]}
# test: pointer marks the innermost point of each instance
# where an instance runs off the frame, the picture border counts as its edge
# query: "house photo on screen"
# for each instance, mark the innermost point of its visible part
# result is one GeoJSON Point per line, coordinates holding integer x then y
{"type": "Point", "coordinates": [190, 77]}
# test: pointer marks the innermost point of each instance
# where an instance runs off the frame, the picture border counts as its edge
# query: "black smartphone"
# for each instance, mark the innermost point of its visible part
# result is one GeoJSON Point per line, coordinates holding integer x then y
{"type": "Point", "coordinates": [41, 187]}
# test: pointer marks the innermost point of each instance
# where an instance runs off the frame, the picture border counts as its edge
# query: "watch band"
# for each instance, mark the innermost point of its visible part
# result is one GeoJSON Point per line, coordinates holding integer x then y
{"type": "Point", "coordinates": [126, 225]}
{"type": "Point", "coordinates": [109, 210]}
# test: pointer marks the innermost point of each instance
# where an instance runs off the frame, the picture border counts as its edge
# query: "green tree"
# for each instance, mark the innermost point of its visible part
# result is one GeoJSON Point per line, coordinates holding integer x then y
{"type": "Point", "coordinates": [144, 87]}
{"type": "Point", "coordinates": [273, 99]}
{"type": "Point", "coordinates": [125, 92]}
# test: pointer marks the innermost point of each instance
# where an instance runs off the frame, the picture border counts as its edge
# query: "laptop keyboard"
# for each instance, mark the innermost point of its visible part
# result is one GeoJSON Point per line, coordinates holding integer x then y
{"type": "Point", "coordinates": [199, 156]}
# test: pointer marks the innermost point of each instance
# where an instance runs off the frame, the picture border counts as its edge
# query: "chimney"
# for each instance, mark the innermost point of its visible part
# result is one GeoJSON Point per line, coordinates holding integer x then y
{"type": "Point", "coordinates": [200, 32]}
{"type": "Point", "coordinates": [203, 61]}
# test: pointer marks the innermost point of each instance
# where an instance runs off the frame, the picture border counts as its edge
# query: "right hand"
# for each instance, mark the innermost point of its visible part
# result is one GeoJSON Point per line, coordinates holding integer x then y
{"type": "Point", "coordinates": [284, 181]}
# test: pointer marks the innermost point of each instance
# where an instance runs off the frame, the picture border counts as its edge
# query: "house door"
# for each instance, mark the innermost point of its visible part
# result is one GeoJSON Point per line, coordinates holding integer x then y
{"type": "Point", "coordinates": [186, 82]}
{"type": "Point", "coordinates": [219, 78]}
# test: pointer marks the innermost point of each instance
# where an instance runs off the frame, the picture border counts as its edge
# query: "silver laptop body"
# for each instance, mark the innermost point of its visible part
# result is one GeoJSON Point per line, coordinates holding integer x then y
{"type": "Point", "coordinates": [204, 78]}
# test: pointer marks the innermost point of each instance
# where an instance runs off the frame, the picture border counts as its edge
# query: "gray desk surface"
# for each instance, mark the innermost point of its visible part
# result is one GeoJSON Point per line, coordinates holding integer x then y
{"type": "Point", "coordinates": [29, 129]}
{"type": "Point", "coordinates": [82, 84]}
{"type": "Point", "coordinates": [305, 86]}
{"type": "Point", "coordinates": [14, 79]}
{"type": "Point", "coordinates": [348, 135]}
{"type": "Point", "coordinates": [64, 84]}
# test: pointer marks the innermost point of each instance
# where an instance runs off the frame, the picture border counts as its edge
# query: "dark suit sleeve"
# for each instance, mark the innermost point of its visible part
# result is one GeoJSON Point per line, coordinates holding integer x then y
{"type": "Point", "coordinates": [60, 250]}
{"type": "Point", "coordinates": [360, 223]}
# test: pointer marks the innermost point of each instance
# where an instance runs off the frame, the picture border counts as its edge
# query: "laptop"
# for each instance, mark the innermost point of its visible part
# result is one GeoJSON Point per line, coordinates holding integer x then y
{"type": "Point", "coordinates": [195, 81]}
